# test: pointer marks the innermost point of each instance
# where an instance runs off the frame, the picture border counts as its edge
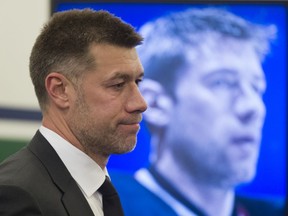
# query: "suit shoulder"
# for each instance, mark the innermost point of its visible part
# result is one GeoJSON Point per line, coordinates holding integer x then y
{"type": "Point", "coordinates": [23, 169]}
{"type": "Point", "coordinates": [256, 206]}
{"type": "Point", "coordinates": [137, 199]}
{"type": "Point", "coordinates": [13, 198]}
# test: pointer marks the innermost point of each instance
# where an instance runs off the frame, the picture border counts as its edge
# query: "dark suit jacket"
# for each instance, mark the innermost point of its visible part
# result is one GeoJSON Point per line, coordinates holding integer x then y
{"type": "Point", "coordinates": [34, 181]}
{"type": "Point", "coordinates": [137, 200]}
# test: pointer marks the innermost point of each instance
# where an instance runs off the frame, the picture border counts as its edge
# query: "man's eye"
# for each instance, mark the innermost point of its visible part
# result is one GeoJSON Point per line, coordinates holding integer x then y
{"type": "Point", "coordinates": [119, 86]}
{"type": "Point", "coordinates": [259, 90]}
{"type": "Point", "coordinates": [138, 81]}
{"type": "Point", "coordinates": [223, 83]}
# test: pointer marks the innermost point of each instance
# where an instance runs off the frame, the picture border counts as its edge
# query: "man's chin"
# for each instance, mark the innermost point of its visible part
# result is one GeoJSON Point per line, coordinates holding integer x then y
{"type": "Point", "coordinates": [244, 177]}
{"type": "Point", "coordinates": [127, 146]}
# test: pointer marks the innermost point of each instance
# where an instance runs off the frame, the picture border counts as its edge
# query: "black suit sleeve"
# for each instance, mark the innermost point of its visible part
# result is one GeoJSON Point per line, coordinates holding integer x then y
{"type": "Point", "coordinates": [15, 201]}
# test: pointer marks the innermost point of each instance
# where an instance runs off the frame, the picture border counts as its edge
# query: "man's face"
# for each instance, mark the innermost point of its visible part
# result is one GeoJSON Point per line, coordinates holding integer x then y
{"type": "Point", "coordinates": [108, 106]}
{"type": "Point", "coordinates": [215, 127]}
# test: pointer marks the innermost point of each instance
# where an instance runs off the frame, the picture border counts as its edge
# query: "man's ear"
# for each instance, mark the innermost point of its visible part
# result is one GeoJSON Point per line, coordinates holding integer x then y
{"type": "Point", "coordinates": [159, 103]}
{"type": "Point", "coordinates": [57, 87]}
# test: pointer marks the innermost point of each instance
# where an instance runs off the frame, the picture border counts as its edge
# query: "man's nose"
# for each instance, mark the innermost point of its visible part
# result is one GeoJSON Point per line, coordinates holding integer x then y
{"type": "Point", "coordinates": [249, 106]}
{"type": "Point", "coordinates": [136, 102]}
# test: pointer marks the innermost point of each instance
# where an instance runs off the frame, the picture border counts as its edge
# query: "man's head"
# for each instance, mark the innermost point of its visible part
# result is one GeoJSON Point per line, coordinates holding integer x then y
{"type": "Point", "coordinates": [65, 41]}
{"type": "Point", "coordinates": [86, 71]}
{"type": "Point", "coordinates": [204, 85]}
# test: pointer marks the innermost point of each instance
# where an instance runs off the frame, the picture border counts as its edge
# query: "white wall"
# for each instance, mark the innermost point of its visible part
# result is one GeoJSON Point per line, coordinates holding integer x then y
{"type": "Point", "coordinates": [20, 23]}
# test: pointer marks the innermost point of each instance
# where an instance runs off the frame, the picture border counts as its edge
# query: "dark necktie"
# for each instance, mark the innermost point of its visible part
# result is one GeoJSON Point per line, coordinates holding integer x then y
{"type": "Point", "coordinates": [111, 201]}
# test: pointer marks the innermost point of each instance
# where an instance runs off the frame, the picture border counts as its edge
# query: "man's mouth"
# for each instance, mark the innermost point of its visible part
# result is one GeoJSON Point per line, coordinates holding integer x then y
{"type": "Point", "coordinates": [131, 121]}
{"type": "Point", "coordinates": [245, 145]}
{"type": "Point", "coordinates": [131, 125]}
{"type": "Point", "coordinates": [244, 139]}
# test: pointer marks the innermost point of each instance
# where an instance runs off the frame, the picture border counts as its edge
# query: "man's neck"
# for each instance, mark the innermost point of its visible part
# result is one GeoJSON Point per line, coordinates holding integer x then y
{"type": "Point", "coordinates": [211, 199]}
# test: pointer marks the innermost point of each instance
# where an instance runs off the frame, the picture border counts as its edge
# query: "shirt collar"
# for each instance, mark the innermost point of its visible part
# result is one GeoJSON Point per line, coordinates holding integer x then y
{"type": "Point", "coordinates": [85, 171]}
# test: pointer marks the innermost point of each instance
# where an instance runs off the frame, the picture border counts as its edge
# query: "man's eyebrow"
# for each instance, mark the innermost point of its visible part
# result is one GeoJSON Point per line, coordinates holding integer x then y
{"type": "Point", "coordinates": [124, 76]}
{"type": "Point", "coordinates": [259, 77]}
{"type": "Point", "coordinates": [223, 71]}
{"type": "Point", "coordinates": [219, 72]}
{"type": "Point", "coordinates": [119, 75]}
{"type": "Point", "coordinates": [230, 72]}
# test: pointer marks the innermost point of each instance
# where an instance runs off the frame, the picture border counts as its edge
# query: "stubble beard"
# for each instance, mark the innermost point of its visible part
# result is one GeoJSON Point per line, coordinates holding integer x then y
{"type": "Point", "coordinates": [97, 139]}
{"type": "Point", "coordinates": [211, 169]}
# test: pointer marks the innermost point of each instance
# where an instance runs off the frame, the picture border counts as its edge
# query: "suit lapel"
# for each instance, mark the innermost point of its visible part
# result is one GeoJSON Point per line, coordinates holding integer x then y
{"type": "Point", "coordinates": [73, 199]}
{"type": "Point", "coordinates": [75, 204]}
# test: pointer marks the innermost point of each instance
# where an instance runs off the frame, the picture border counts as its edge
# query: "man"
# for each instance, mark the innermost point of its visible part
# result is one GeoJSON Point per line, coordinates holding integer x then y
{"type": "Point", "coordinates": [86, 71]}
{"type": "Point", "coordinates": [203, 84]}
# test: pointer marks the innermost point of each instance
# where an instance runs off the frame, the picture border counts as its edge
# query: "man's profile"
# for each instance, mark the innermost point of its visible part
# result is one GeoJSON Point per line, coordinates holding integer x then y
{"type": "Point", "coordinates": [85, 70]}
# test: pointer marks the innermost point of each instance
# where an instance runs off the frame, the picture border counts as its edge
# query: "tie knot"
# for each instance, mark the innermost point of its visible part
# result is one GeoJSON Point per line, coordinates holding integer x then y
{"type": "Point", "coordinates": [107, 189]}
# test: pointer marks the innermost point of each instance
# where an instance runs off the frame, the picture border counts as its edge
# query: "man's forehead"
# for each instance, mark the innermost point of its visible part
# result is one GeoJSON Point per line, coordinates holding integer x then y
{"type": "Point", "coordinates": [220, 48]}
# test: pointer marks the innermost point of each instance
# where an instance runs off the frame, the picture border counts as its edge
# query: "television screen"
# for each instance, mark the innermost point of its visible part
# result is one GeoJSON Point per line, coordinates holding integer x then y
{"type": "Point", "coordinates": [270, 179]}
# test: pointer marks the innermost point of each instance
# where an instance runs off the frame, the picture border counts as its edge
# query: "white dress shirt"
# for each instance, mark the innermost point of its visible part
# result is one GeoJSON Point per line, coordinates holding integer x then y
{"type": "Point", "coordinates": [85, 171]}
